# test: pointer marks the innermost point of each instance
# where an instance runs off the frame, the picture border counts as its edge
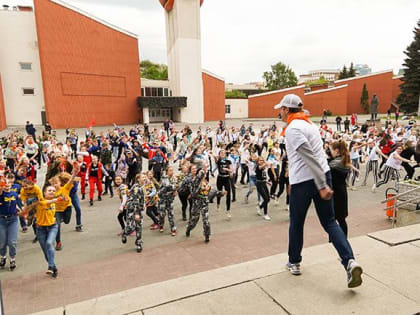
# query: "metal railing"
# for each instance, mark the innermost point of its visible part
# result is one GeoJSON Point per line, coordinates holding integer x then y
{"type": "Point", "coordinates": [398, 204]}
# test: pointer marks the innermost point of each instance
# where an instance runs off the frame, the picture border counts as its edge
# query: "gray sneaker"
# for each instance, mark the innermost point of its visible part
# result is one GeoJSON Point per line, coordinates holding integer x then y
{"type": "Point", "coordinates": [354, 274]}
{"type": "Point", "coordinates": [294, 269]}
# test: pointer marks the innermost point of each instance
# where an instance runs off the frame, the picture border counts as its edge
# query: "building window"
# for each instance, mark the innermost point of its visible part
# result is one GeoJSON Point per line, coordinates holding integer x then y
{"type": "Point", "coordinates": [148, 92]}
{"type": "Point", "coordinates": [160, 91]}
{"type": "Point", "coordinates": [227, 109]}
{"type": "Point", "coordinates": [25, 66]}
{"type": "Point", "coordinates": [142, 92]}
{"type": "Point", "coordinates": [154, 92]}
{"type": "Point", "coordinates": [28, 91]}
{"type": "Point", "coordinates": [165, 92]}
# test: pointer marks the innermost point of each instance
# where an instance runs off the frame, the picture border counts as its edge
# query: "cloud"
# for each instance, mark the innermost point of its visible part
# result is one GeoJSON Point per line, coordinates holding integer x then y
{"type": "Point", "coordinates": [241, 39]}
{"type": "Point", "coordinates": [147, 5]}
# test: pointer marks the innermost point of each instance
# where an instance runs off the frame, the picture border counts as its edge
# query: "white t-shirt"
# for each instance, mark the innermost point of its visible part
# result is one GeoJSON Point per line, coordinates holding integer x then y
{"type": "Point", "coordinates": [244, 154]}
{"type": "Point", "coordinates": [372, 153]}
{"type": "Point", "coordinates": [393, 162]}
{"type": "Point", "coordinates": [297, 133]}
{"type": "Point", "coordinates": [354, 154]}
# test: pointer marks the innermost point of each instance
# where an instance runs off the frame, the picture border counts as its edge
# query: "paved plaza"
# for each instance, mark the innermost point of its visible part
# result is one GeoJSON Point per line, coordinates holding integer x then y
{"type": "Point", "coordinates": [95, 263]}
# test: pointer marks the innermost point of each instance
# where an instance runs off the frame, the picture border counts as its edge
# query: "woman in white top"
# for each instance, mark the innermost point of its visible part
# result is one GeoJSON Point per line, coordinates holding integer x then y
{"type": "Point", "coordinates": [354, 157]}
{"type": "Point", "coordinates": [372, 152]}
{"type": "Point", "coordinates": [392, 167]}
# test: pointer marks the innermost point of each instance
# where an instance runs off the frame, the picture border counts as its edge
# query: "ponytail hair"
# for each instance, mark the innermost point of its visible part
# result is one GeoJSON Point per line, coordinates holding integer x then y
{"type": "Point", "coordinates": [344, 151]}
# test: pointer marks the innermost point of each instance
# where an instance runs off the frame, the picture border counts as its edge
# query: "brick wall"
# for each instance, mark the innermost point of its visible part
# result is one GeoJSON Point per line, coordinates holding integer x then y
{"type": "Point", "coordinates": [89, 70]}
{"type": "Point", "coordinates": [396, 82]}
{"type": "Point", "coordinates": [380, 83]}
{"type": "Point", "coordinates": [262, 105]}
{"type": "Point", "coordinates": [214, 97]}
{"type": "Point", "coordinates": [334, 99]}
{"type": "Point", "coordinates": [2, 112]}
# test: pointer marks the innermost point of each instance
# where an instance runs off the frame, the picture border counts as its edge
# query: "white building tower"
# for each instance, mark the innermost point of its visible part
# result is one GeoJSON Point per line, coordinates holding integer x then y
{"type": "Point", "coordinates": [183, 36]}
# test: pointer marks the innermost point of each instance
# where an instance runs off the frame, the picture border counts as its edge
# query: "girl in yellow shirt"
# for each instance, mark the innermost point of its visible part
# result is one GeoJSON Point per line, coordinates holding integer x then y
{"type": "Point", "coordinates": [47, 227]}
{"type": "Point", "coordinates": [63, 183]}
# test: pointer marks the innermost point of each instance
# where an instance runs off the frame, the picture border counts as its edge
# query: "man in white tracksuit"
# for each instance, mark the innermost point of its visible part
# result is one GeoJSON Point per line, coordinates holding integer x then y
{"type": "Point", "coordinates": [310, 180]}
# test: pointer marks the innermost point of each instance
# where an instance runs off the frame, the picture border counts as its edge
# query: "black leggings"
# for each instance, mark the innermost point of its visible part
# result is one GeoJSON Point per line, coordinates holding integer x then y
{"type": "Point", "coordinates": [223, 182]}
{"type": "Point", "coordinates": [244, 172]}
{"type": "Point", "coordinates": [185, 201]}
{"type": "Point", "coordinates": [65, 217]}
{"type": "Point", "coordinates": [382, 163]}
{"type": "Point", "coordinates": [283, 183]}
{"type": "Point", "coordinates": [263, 191]}
{"type": "Point", "coordinates": [153, 214]}
{"type": "Point", "coordinates": [409, 169]}
{"type": "Point", "coordinates": [274, 181]}
{"type": "Point", "coordinates": [121, 218]}
{"type": "Point", "coordinates": [233, 180]}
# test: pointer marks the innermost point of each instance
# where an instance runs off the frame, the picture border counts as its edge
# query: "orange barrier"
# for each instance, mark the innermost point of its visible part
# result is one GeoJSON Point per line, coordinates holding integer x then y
{"type": "Point", "coordinates": [390, 206]}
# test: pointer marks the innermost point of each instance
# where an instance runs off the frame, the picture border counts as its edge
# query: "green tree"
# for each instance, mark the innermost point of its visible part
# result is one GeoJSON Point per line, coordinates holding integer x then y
{"type": "Point", "coordinates": [352, 71]}
{"type": "Point", "coordinates": [235, 94]}
{"type": "Point", "coordinates": [153, 71]}
{"type": "Point", "coordinates": [343, 74]}
{"type": "Point", "coordinates": [280, 77]}
{"type": "Point", "coordinates": [410, 88]}
{"type": "Point", "coordinates": [364, 99]}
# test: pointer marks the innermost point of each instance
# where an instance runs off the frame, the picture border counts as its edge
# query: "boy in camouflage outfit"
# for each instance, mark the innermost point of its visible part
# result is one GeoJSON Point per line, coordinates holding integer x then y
{"type": "Point", "coordinates": [134, 217]}
{"type": "Point", "coordinates": [167, 193]}
{"type": "Point", "coordinates": [200, 192]}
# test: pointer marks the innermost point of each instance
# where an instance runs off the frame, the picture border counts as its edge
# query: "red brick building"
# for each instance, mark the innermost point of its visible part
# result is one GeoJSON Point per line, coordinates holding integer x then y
{"type": "Point", "coordinates": [214, 97]}
{"type": "Point", "coordinates": [90, 70]}
{"type": "Point", "coordinates": [343, 99]}
{"type": "Point", "coordinates": [262, 105]}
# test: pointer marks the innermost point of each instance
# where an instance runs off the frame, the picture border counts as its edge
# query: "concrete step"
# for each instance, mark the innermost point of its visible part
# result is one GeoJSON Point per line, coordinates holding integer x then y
{"type": "Point", "coordinates": [264, 286]}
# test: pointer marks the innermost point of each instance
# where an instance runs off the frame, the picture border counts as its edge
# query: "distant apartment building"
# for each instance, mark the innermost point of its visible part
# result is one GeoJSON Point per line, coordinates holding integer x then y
{"type": "Point", "coordinates": [247, 88]}
{"type": "Point", "coordinates": [362, 69]}
{"type": "Point", "coordinates": [327, 74]}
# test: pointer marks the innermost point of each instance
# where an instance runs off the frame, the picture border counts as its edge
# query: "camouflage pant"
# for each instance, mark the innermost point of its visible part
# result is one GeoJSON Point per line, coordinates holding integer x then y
{"type": "Point", "coordinates": [197, 206]}
{"type": "Point", "coordinates": [132, 225]}
{"type": "Point", "coordinates": [166, 206]}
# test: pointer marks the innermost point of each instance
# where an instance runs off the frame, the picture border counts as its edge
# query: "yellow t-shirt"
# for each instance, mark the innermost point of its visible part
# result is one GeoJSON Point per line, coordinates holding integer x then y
{"type": "Point", "coordinates": [64, 191]}
{"type": "Point", "coordinates": [270, 143]}
{"type": "Point", "coordinates": [45, 213]}
{"type": "Point", "coordinates": [34, 192]}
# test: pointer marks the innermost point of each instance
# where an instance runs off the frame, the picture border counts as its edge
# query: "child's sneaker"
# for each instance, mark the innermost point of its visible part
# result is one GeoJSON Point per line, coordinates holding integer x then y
{"type": "Point", "coordinates": [2, 262]}
{"type": "Point", "coordinates": [12, 265]}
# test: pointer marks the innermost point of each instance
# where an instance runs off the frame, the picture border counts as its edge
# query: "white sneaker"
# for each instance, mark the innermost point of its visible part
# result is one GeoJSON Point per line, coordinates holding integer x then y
{"type": "Point", "coordinates": [267, 218]}
{"type": "Point", "coordinates": [229, 215]}
{"type": "Point", "coordinates": [354, 274]}
{"type": "Point", "coordinates": [353, 188]}
{"type": "Point", "coordinates": [294, 269]}
{"type": "Point", "coordinates": [259, 211]}
{"type": "Point", "coordinates": [374, 188]}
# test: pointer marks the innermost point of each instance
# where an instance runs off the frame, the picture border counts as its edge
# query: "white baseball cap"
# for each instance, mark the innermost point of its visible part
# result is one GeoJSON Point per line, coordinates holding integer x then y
{"type": "Point", "coordinates": [290, 101]}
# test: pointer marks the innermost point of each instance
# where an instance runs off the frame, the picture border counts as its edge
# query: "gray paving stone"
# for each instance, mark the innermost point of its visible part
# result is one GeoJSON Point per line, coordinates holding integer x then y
{"type": "Point", "coordinates": [398, 268]}
{"type": "Point", "coordinates": [54, 311]}
{"type": "Point", "coordinates": [242, 299]}
{"type": "Point", "coordinates": [322, 289]}
{"type": "Point", "coordinates": [398, 235]}
{"type": "Point", "coordinates": [417, 243]}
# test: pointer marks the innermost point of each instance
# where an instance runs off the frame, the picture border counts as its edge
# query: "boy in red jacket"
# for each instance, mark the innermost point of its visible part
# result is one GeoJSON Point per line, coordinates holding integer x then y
{"type": "Point", "coordinates": [94, 174]}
